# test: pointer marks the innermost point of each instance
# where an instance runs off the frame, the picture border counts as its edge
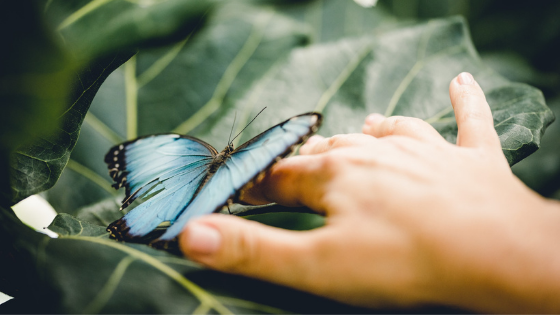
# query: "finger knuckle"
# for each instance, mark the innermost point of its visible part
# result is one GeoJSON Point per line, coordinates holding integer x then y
{"type": "Point", "coordinates": [330, 162]}
{"type": "Point", "coordinates": [336, 140]}
{"type": "Point", "coordinates": [395, 123]}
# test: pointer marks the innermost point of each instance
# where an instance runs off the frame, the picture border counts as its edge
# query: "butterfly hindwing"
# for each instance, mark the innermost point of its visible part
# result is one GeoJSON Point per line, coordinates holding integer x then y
{"type": "Point", "coordinates": [244, 164]}
{"type": "Point", "coordinates": [166, 168]}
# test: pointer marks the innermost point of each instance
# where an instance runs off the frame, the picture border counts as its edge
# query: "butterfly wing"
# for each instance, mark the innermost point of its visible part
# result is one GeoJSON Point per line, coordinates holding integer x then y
{"type": "Point", "coordinates": [167, 169]}
{"type": "Point", "coordinates": [244, 164]}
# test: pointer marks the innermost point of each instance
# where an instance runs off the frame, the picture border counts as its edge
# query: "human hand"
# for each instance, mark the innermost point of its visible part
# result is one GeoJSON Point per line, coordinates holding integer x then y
{"type": "Point", "coordinates": [410, 218]}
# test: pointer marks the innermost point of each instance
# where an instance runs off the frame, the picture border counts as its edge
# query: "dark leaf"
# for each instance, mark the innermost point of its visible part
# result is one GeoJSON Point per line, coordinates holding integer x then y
{"type": "Point", "coordinates": [401, 72]}
{"type": "Point", "coordinates": [101, 213]}
{"type": "Point", "coordinates": [90, 274]}
{"type": "Point", "coordinates": [66, 225]}
{"type": "Point", "coordinates": [34, 77]}
{"type": "Point", "coordinates": [101, 35]}
{"type": "Point", "coordinates": [94, 28]}
{"type": "Point", "coordinates": [35, 167]}
{"type": "Point", "coordinates": [334, 20]}
{"type": "Point", "coordinates": [541, 170]}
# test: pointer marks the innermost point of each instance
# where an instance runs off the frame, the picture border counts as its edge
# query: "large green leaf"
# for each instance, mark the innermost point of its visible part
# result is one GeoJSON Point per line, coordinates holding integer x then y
{"type": "Point", "coordinates": [181, 87]}
{"type": "Point", "coordinates": [92, 28]}
{"type": "Point", "coordinates": [401, 72]}
{"type": "Point", "coordinates": [84, 272]}
{"type": "Point", "coordinates": [36, 166]}
{"type": "Point", "coordinates": [541, 170]}
{"type": "Point", "coordinates": [34, 74]}
{"type": "Point", "coordinates": [100, 35]}
{"type": "Point", "coordinates": [334, 20]}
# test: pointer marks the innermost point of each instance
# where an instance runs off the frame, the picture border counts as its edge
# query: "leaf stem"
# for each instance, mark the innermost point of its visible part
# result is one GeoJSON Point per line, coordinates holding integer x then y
{"type": "Point", "coordinates": [243, 211]}
{"type": "Point", "coordinates": [102, 129]}
{"type": "Point", "coordinates": [159, 65]}
{"type": "Point", "coordinates": [438, 116]}
{"type": "Point", "coordinates": [109, 288]}
{"type": "Point", "coordinates": [131, 88]}
{"type": "Point", "coordinates": [342, 77]}
{"type": "Point", "coordinates": [91, 175]}
{"type": "Point", "coordinates": [419, 65]}
{"type": "Point", "coordinates": [91, 6]}
{"type": "Point", "coordinates": [202, 295]}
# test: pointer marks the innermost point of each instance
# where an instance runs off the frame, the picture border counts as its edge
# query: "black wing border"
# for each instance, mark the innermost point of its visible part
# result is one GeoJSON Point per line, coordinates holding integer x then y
{"type": "Point", "coordinates": [117, 167]}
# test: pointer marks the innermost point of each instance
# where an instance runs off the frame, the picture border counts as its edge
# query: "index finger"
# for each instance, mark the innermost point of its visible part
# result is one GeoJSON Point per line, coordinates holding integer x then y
{"type": "Point", "coordinates": [295, 181]}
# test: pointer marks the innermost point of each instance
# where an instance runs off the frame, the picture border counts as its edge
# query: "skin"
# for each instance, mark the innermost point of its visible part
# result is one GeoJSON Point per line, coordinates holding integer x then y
{"type": "Point", "coordinates": [411, 220]}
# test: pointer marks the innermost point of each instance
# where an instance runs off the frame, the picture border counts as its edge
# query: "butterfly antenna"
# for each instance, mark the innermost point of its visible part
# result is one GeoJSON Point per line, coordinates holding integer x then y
{"type": "Point", "coordinates": [248, 124]}
{"type": "Point", "coordinates": [231, 132]}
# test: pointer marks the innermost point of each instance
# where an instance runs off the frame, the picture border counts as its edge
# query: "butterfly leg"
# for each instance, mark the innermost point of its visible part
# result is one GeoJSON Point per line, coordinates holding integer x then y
{"type": "Point", "coordinates": [229, 202]}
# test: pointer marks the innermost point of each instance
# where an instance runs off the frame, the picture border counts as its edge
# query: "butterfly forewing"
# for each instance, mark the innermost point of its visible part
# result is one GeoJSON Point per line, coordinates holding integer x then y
{"type": "Point", "coordinates": [244, 164]}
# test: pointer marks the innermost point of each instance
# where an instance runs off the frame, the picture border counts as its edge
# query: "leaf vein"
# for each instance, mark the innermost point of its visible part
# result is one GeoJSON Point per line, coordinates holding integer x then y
{"type": "Point", "coordinates": [231, 72]}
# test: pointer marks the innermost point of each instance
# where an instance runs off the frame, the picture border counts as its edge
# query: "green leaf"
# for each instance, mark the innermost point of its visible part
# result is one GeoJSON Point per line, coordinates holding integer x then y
{"type": "Point", "coordinates": [101, 35]}
{"type": "Point", "coordinates": [66, 225]}
{"type": "Point", "coordinates": [97, 27]}
{"type": "Point", "coordinates": [101, 213]}
{"type": "Point", "coordinates": [90, 274]}
{"type": "Point", "coordinates": [183, 87]}
{"type": "Point", "coordinates": [334, 20]}
{"type": "Point", "coordinates": [34, 75]}
{"type": "Point", "coordinates": [541, 170]}
{"type": "Point", "coordinates": [401, 72]}
{"type": "Point", "coordinates": [35, 167]}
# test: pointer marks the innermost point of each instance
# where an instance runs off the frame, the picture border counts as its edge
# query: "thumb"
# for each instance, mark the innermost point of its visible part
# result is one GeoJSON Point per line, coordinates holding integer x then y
{"type": "Point", "coordinates": [474, 118]}
{"type": "Point", "coordinates": [240, 246]}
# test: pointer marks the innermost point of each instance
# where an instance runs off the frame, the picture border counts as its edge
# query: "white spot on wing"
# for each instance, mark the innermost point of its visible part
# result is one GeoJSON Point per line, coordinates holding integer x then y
{"type": "Point", "coordinates": [313, 119]}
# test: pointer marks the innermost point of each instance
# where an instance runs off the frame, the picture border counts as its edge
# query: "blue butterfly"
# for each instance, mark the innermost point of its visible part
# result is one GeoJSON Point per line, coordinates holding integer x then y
{"type": "Point", "coordinates": [181, 177]}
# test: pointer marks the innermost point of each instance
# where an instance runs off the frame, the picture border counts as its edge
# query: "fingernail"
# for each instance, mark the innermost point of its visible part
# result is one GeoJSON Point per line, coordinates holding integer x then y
{"type": "Point", "coordinates": [203, 239]}
{"type": "Point", "coordinates": [465, 78]}
{"type": "Point", "coordinates": [374, 118]}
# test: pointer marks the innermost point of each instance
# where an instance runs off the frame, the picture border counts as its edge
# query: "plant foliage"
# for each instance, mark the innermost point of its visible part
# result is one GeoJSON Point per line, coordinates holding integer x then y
{"type": "Point", "coordinates": [110, 71]}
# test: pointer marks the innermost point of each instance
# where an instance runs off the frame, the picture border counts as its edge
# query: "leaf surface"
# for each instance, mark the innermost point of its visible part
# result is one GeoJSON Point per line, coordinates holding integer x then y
{"type": "Point", "coordinates": [34, 74]}
{"type": "Point", "coordinates": [126, 278]}
{"type": "Point", "coordinates": [36, 166]}
{"type": "Point", "coordinates": [100, 35]}
{"type": "Point", "coordinates": [94, 28]}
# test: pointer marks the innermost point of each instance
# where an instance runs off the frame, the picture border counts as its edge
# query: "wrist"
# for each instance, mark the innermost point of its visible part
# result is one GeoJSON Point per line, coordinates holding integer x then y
{"type": "Point", "coordinates": [500, 255]}
{"type": "Point", "coordinates": [509, 263]}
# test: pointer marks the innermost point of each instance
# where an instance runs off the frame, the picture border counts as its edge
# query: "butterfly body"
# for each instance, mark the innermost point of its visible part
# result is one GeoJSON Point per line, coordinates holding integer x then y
{"type": "Point", "coordinates": [181, 177]}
